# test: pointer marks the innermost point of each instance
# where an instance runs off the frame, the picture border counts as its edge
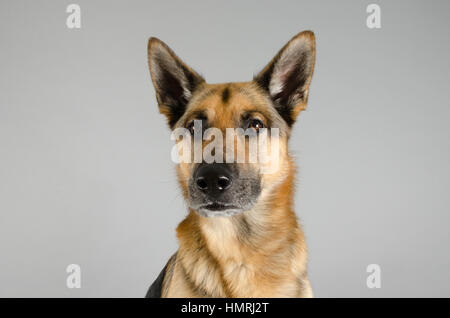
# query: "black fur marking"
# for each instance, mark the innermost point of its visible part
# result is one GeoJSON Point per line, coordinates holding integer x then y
{"type": "Point", "coordinates": [226, 95]}
{"type": "Point", "coordinates": [286, 113]}
{"type": "Point", "coordinates": [155, 289]}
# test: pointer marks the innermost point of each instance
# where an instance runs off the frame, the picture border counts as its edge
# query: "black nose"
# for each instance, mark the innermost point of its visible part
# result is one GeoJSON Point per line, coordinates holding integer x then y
{"type": "Point", "coordinates": [213, 178]}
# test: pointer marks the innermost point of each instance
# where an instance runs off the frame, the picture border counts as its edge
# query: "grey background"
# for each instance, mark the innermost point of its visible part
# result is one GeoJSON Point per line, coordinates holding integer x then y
{"type": "Point", "coordinates": [85, 169]}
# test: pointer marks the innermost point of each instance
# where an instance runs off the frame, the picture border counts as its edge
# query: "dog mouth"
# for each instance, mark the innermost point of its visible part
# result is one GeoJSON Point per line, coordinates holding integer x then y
{"type": "Point", "coordinates": [216, 209]}
{"type": "Point", "coordinates": [218, 206]}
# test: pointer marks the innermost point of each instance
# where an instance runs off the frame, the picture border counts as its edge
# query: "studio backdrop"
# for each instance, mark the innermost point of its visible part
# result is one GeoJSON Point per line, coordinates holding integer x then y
{"type": "Point", "coordinates": [88, 189]}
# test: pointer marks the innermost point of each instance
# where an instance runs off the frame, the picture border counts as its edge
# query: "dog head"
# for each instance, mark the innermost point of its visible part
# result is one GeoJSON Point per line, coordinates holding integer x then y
{"type": "Point", "coordinates": [270, 102]}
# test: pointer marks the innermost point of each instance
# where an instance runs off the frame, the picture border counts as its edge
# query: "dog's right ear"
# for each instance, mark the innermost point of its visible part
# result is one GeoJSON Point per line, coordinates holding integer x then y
{"type": "Point", "coordinates": [287, 77]}
{"type": "Point", "coordinates": [174, 81]}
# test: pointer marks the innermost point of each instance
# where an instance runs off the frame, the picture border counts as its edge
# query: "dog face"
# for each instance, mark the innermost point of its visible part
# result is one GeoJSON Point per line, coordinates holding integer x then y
{"type": "Point", "coordinates": [273, 99]}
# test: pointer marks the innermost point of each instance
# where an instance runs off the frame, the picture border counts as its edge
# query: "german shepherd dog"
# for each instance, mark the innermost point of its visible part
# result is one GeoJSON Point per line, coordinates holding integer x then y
{"type": "Point", "coordinates": [241, 237]}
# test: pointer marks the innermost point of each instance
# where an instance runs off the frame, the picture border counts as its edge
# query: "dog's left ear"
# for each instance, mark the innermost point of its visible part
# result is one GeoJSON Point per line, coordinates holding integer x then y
{"type": "Point", "coordinates": [287, 77]}
{"type": "Point", "coordinates": [174, 81]}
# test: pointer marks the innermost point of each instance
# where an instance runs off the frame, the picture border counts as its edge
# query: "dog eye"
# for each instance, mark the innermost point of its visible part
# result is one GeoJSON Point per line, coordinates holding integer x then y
{"type": "Point", "coordinates": [191, 126]}
{"type": "Point", "coordinates": [255, 124]}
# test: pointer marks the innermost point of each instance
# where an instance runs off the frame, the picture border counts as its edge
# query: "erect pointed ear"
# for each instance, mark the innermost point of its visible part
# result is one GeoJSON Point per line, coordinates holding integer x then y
{"type": "Point", "coordinates": [287, 77]}
{"type": "Point", "coordinates": [174, 81]}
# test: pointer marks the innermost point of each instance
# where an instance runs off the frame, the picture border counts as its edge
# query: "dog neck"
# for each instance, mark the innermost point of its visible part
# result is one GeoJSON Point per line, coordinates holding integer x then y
{"type": "Point", "coordinates": [264, 241]}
